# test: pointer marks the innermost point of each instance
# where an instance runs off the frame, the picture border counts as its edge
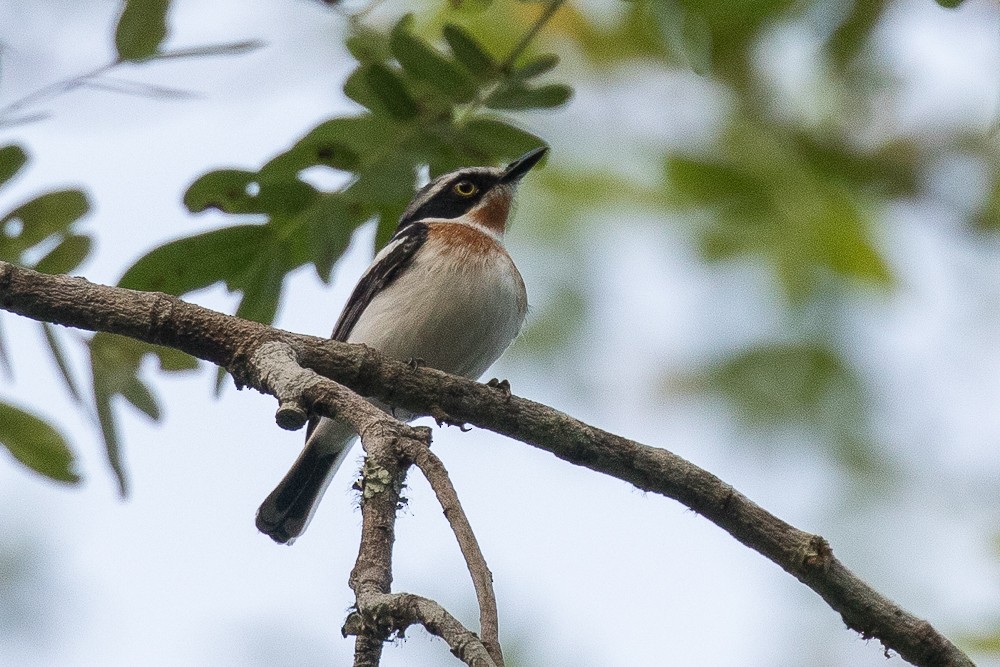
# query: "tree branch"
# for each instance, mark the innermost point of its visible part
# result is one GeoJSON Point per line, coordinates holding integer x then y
{"type": "Point", "coordinates": [232, 342]}
{"type": "Point", "coordinates": [482, 578]}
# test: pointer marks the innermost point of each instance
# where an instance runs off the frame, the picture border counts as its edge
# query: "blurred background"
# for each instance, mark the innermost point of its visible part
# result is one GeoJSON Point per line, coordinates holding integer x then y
{"type": "Point", "coordinates": [766, 239]}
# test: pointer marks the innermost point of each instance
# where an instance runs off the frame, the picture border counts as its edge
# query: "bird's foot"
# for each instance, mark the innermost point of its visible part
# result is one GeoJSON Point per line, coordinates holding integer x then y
{"type": "Point", "coordinates": [503, 386]}
{"type": "Point", "coordinates": [415, 363]}
{"type": "Point", "coordinates": [444, 419]}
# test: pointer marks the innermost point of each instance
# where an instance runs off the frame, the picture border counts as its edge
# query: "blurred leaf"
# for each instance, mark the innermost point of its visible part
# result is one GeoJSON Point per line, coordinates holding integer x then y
{"type": "Point", "coordinates": [367, 45]}
{"type": "Point", "coordinates": [470, 53]}
{"type": "Point", "coordinates": [686, 33]}
{"type": "Point", "coordinates": [516, 96]}
{"type": "Point", "coordinates": [988, 217]}
{"type": "Point", "coordinates": [33, 222]}
{"type": "Point", "coordinates": [632, 34]}
{"type": "Point", "coordinates": [12, 158]}
{"type": "Point", "coordinates": [390, 91]}
{"type": "Point", "coordinates": [328, 226]}
{"type": "Point", "coordinates": [851, 35]}
{"type": "Point", "coordinates": [195, 262]}
{"type": "Point", "coordinates": [139, 396]}
{"type": "Point", "coordinates": [949, 4]}
{"type": "Point", "coordinates": [423, 62]}
{"type": "Point", "coordinates": [142, 26]}
{"type": "Point", "coordinates": [52, 341]}
{"type": "Point", "coordinates": [223, 189]}
{"type": "Point", "coordinates": [536, 66]}
{"type": "Point", "coordinates": [115, 362]}
{"type": "Point", "coordinates": [66, 256]}
{"type": "Point", "coordinates": [791, 202]}
{"type": "Point", "coordinates": [239, 191]}
{"type": "Point", "coordinates": [804, 384]}
{"type": "Point", "coordinates": [261, 288]}
{"type": "Point", "coordinates": [36, 444]}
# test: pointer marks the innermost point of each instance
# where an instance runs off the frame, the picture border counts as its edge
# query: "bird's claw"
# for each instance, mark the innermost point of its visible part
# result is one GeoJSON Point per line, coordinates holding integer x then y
{"type": "Point", "coordinates": [415, 363]}
{"type": "Point", "coordinates": [503, 386]}
{"type": "Point", "coordinates": [444, 419]}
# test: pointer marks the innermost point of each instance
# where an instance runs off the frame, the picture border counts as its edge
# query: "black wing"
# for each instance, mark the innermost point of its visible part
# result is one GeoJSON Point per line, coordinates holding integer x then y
{"type": "Point", "coordinates": [380, 275]}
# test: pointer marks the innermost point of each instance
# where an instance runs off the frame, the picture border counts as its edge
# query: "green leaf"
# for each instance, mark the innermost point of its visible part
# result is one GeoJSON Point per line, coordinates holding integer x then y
{"type": "Point", "coordinates": [239, 191]}
{"type": "Point", "coordinates": [52, 341]}
{"type": "Point", "coordinates": [198, 261]}
{"type": "Point", "coordinates": [423, 62]}
{"type": "Point", "coordinates": [262, 290]}
{"type": "Point", "coordinates": [949, 4]}
{"type": "Point", "coordinates": [36, 444]}
{"type": "Point", "coordinates": [781, 382]}
{"type": "Point", "coordinates": [115, 362]}
{"type": "Point", "coordinates": [687, 33]}
{"type": "Point", "coordinates": [988, 217]}
{"type": "Point", "coordinates": [173, 361]}
{"type": "Point", "coordinates": [223, 189]}
{"type": "Point", "coordinates": [517, 96]}
{"type": "Point", "coordinates": [390, 91]}
{"type": "Point", "coordinates": [12, 158]}
{"type": "Point", "coordinates": [536, 66]}
{"type": "Point", "coordinates": [136, 393]}
{"type": "Point", "coordinates": [142, 26]}
{"type": "Point", "coordinates": [66, 256]}
{"type": "Point", "coordinates": [336, 143]}
{"type": "Point", "coordinates": [367, 45]}
{"type": "Point", "coordinates": [36, 220]}
{"type": "Point", "coordinates": [470, 53]}
{"type": "Point", "coordinates": [328, 225]}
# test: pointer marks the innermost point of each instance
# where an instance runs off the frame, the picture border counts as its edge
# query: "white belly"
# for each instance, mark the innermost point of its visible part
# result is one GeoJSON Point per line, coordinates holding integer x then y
{"type": "Point", "coordinates": [457, 316]}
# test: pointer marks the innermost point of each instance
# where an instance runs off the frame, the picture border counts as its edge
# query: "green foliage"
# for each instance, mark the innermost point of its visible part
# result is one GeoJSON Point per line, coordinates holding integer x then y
{"type": "Point", "coordinates": [115, 363]}
{"type": "Point", "coordinates": [41, 234]}
{"type": "Point", "coordinates": [12, 158]}
{"type": "Point", "coordinates": [36, 444]}
{"type": "Point", "coordinates": [769, 198]}
{"type": "Point", "coordinates": [142, 27]}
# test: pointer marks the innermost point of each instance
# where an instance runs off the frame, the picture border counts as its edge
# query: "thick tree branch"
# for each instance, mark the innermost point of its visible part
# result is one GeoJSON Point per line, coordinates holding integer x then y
{"type": "Point", "coordinates": [232, 342]}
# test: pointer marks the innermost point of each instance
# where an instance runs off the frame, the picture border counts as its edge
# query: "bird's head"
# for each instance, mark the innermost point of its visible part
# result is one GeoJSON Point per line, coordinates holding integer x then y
{"type": "Point", "coordinates": [483, 195]}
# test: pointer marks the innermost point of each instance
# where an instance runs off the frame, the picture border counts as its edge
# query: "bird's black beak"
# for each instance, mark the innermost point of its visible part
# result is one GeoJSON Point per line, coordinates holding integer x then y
{"type": "Point", "coordinates": [522, 165]}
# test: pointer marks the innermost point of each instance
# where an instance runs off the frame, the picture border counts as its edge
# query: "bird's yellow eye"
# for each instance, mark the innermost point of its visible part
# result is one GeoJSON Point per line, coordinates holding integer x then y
{"type": "Point", "coordinates": [465, 188]}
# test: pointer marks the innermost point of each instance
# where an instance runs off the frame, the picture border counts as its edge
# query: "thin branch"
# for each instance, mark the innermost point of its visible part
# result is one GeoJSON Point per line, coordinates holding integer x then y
{"type": "Point", "coordinates": [232, 342]}
{"type": "Point", "coordinates": [93, 79]}
{"type": "Point", "coordinates": [551, 8]}
{"type": "Point", "coordinates": [482, 578]}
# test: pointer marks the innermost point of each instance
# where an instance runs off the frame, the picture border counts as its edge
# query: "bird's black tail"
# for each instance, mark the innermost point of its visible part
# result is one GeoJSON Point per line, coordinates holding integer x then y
{"type": "Point", "coordinates": [286, 512]}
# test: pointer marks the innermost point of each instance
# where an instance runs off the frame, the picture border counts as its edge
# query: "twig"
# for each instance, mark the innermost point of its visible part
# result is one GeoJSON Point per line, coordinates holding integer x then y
{"type": "Point", "coordinates": [482, 578]}
{"type": "Point", "coordinates": [508, 63]}
{"type": "Point", "coordinates": [551, 8]}
{"type": "Point", "coordinates": [233, 343]}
